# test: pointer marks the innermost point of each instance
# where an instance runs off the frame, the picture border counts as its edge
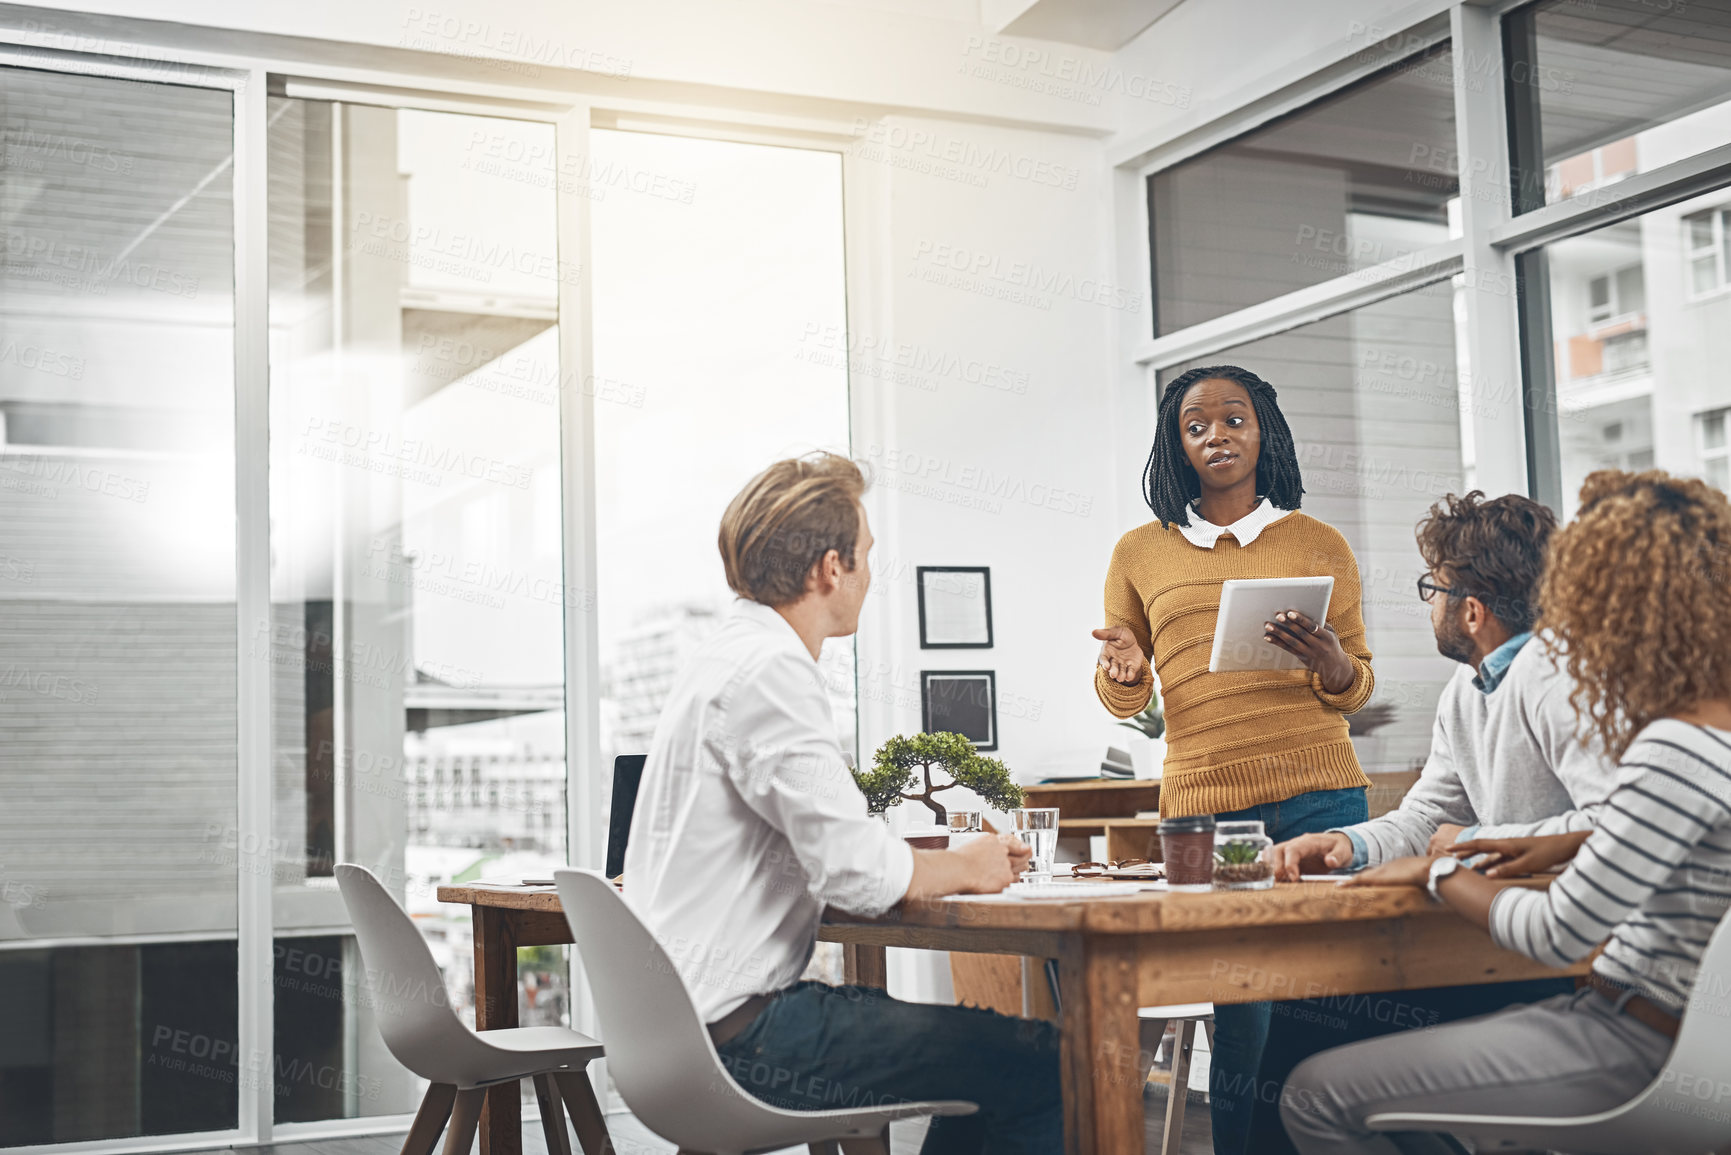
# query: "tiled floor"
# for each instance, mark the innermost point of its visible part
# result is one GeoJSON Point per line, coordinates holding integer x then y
{"type": "Point", "coordinates": [631, 1138]}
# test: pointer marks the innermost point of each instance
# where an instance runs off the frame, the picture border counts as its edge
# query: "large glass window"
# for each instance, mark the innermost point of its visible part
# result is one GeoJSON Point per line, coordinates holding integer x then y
{"type": "Point", "coordinates": [1361, 178]}
{"type": "Point", "coordinates": [1375, 401]}
{"type": "Point", "coordinates": [416, 636]}
{"type": "Point", "coordinates": [1600, 91]}
{"type": "Point", "coordinates": [1638, 334]}
{"type": "Point", "coordinates": [117, 609]}
{"type": "Point", "coordinates": [720, 346]}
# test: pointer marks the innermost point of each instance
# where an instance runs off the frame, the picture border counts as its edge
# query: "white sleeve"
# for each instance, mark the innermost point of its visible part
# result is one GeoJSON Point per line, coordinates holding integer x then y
{"type": "Point", "coordinates": [784, 760]}
{"type": "Point", "coordinates": [1437, 797]}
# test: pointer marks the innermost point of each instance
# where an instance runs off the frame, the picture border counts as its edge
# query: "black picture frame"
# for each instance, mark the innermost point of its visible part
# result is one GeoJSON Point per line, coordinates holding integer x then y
{"type": "Point", "coordinates": [963, 702]}
{"type": "Point", "coordinates": [936, 619]}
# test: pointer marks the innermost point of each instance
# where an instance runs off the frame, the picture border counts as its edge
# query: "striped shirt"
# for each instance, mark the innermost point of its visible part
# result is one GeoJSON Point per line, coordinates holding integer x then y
{"type": "Point", "coordinates": [1654, 877]}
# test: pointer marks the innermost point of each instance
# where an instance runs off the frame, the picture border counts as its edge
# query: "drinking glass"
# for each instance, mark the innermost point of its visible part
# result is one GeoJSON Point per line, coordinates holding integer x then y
{"type": "Point", "coordinates": [965, 821]}
{"type": "Point", "coordinates": [1039, 829]}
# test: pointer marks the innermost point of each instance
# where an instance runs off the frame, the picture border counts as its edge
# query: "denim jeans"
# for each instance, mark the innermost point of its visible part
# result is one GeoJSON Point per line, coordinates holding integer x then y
{"type": "Point", "coordinates": [1240, 1030]}
{"type": "Point", "coordinates": [817, 1047]}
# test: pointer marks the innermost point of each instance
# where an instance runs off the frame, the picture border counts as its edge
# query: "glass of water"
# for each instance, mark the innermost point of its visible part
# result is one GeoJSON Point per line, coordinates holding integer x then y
{"type": "Point", "coordinates": [1039, 829]}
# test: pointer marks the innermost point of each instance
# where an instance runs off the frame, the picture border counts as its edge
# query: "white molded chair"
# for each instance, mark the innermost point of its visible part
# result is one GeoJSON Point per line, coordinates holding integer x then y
{"type": "Point", "coordinates": [663, 1062]}
{"type": "Point", "coordinates": [1685, 1111]}
{"type": "Point", "coordinates": [425, 1035]}
{"type": "Point", "coordinates": [1183, 1017]}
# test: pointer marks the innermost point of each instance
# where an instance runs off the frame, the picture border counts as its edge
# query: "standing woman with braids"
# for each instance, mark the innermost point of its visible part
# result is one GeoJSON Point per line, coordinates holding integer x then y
{"type": "Point", "coordinates": [1269, 745]}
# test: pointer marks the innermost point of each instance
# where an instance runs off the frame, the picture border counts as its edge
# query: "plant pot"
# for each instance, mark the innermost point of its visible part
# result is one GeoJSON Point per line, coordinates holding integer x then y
{"type": "Point", "coordinates": [1244, 876]}
{"type": "Point", "coordinates": [927, 838]}
{"type": "Point", "coordinates": [1147, 757]}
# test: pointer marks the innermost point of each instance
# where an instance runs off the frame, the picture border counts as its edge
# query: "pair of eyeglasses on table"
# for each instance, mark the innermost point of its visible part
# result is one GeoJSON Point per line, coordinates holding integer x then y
{"type": "Point", "coordinates": [1100, 869]}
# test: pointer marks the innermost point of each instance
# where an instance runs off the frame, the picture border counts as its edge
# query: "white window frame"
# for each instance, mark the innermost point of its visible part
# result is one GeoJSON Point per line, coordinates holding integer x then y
{"type": "Point", "coordinates": [85, 44]}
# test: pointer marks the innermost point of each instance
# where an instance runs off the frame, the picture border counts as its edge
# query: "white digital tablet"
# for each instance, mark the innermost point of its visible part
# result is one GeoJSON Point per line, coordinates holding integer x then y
{"type": "Point", "coordinates": [1247, 605]}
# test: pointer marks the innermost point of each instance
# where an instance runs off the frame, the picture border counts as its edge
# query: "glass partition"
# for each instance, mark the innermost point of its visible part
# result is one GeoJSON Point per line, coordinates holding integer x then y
{"type": "Point", "coordinates": [1603, 90]}
{"type": "Point", "coordinates": [720, 346]}
{"type": "Point", "coordinates": [416, 636]}
{"type": "Point", "coordinates": [1639, 316]}
{"type": "Point", "coordinates": [1360, 178]}
{"type": "Point", "coordinates": [117, 610]}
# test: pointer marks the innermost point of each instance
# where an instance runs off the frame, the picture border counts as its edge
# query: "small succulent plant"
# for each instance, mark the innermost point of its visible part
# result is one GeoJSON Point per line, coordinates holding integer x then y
{"type": "Point", "coordinates": [1238, 853]}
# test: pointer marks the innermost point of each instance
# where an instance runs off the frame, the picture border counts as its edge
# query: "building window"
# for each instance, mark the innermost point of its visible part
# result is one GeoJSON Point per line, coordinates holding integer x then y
{"type": "Point", "coordinates": [1715, 448]}
{"type": "Point", "coordinates": [1707, 239]}
{"type": "Point", "coordinates": [1614, 295]}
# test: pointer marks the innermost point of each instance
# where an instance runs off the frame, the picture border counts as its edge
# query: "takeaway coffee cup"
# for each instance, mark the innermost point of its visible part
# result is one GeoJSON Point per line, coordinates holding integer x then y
{"type": "Point", "coordinates": [1187, 845]}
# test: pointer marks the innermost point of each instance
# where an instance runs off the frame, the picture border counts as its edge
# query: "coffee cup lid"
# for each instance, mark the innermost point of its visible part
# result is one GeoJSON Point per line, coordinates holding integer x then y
{"type": "Point", "coordinates": [1189, 824]}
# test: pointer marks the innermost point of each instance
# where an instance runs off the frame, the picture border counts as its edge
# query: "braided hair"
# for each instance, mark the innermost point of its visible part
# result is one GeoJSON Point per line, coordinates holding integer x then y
{"type": "Point", "coordinates": [1169, 481]}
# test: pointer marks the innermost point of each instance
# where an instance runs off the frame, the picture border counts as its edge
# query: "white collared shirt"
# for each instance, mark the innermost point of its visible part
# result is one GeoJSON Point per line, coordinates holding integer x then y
{"type": "Point", "coordinates": [747, 821]}
{"type": "Point", "coordinates": [1202, 533]}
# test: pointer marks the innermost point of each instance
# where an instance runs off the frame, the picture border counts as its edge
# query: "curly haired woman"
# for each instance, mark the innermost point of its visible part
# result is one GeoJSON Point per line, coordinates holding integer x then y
{"type": "Point", "coordinates": [1638, 595]}
{"type": "Point", "coordinates": [1266, 745]}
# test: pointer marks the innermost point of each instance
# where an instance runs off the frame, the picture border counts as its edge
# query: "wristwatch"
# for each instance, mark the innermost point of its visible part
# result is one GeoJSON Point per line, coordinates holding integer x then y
{"type": "Point", "coordinates": [1439, 870]}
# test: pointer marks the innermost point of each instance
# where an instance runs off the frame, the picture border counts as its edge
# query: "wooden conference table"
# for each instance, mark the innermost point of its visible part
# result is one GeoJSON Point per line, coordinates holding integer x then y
{"type": "Point", "coordinates": [1298, 940]}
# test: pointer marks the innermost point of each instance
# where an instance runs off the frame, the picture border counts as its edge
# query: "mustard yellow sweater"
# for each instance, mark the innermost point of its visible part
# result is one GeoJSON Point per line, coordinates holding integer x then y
{"type": "Point", "coordinates": [1244, 738]}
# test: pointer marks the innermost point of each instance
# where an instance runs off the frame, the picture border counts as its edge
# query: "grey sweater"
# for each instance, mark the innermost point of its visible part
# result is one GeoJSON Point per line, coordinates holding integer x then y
{"type": "Point", "coordinates": [1509, 762]}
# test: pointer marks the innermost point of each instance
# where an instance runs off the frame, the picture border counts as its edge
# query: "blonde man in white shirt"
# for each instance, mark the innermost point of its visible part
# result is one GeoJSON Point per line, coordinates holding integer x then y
{"type": "Point", "coordinates": [748, 824]}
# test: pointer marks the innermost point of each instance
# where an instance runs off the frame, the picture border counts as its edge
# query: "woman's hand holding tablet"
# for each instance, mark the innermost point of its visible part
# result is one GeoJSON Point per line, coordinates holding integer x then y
{"type": "Point", "coordinates": [1317, 647]}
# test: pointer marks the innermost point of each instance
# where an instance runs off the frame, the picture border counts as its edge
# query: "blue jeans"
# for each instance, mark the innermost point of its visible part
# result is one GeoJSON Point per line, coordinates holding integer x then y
{"type": "Point", "coordinates": [1241, 1030]}
{"type": "Point", "coordinates": [817, 1047]}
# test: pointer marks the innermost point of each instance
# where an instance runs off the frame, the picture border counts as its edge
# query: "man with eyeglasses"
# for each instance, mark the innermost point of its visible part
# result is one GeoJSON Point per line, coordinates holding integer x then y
{"type": "Point", "coordinates": [1505, 761]}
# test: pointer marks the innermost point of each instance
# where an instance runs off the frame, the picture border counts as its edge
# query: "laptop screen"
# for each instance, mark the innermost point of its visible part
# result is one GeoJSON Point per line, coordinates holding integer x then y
{"type": "Point", "coordinates": [627, 773]}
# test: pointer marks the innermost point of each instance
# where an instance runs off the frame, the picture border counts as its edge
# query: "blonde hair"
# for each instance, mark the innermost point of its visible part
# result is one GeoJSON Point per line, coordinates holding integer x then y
{"type": "Point", "coordinates": [1637, 590]}
{"type": "Point", "coordinates": [785, 520]}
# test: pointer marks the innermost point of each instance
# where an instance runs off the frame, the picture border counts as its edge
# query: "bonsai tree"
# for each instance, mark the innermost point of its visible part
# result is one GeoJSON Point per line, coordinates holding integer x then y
{"type": "Point", "coordinates": [1151, 722]}
{"type": "Point", "coordinates": [903, 763]}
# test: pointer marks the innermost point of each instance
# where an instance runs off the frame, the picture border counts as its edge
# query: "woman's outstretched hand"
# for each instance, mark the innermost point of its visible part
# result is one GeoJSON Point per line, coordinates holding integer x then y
{"type": "Point", "coordinates": [1120, 656]}
{"type": "Point", "coordinates": [1520, 857]}
{"type": "Point", "coordinates": [1318, 648]}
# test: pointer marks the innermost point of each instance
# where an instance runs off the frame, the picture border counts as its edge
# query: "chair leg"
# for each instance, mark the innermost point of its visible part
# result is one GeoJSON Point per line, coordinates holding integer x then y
{"type": "Point", "coordinates": [1180, 1090]}
{"type": "Point", "coordinates": [552, 1116]}
{"type": "Point", "coordinates": [465, 1117]}
{"type": "Point", "coordinates": [1208, 1026]}
{"type": "Point", "coordinates": [585, 1111]}
{"type": "Point", "coordinates": [1149, 1032]}
{"type": "Point", "coordinates": [878, 1144]}
{"type": "Point", "coordinates": [430, 1119]}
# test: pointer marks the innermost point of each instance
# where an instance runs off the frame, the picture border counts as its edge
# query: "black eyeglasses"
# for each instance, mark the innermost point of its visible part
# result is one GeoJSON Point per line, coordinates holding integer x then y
{"type": "Point", "coordinates": [1427, 590]}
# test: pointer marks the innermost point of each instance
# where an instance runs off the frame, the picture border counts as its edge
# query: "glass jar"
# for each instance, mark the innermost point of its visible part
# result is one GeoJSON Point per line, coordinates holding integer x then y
{"type": "Point", "coordinates": [1239, 857]}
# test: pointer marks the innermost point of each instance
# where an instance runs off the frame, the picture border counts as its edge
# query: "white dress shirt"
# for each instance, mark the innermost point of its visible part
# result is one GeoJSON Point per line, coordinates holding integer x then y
{"type": "Point", "coordinates": [1201, 532]}
{"type": "Point", "coordinates": [747, 821]}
